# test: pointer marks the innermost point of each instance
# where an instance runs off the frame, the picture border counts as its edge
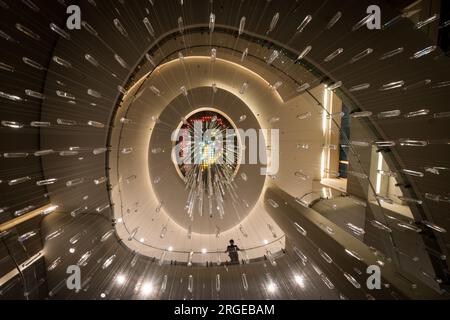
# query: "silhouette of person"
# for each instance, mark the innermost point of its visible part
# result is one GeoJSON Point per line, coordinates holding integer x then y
{"type": "Point", "coordinates": [232, 251]}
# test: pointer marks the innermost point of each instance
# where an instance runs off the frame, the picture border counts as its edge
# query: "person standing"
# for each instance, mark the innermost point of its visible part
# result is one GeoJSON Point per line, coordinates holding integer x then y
{"type": "Point", "coordinates": [232, 251]}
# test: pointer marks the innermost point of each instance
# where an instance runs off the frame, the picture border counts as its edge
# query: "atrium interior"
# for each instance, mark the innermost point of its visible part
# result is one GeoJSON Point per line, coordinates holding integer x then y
{"type": "Point", "coordinates": [313, 133]}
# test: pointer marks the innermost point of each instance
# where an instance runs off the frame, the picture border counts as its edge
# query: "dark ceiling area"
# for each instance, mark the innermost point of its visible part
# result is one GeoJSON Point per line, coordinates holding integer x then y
{"type": "Point", "coordinates": [89, 182]}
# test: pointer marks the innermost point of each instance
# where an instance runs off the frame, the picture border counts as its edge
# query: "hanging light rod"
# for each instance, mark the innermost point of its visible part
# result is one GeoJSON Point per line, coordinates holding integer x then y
{"type": "Point", "coordinates": [45, 210]}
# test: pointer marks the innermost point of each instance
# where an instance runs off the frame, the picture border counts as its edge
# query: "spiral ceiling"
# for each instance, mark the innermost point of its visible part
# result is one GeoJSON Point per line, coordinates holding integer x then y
{"type": "Point", "coordinates": [327, 155]}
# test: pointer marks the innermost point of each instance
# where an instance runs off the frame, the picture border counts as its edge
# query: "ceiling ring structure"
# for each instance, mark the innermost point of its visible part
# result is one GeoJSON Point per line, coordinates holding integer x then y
{"type": "Point", "coordinates": [86, 122]}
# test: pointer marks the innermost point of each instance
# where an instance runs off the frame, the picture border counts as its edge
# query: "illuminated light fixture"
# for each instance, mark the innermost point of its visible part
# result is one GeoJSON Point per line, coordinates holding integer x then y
{"type": "Point", "coordinates": [46, 182]}
{"type": "Point", "coordinates": [352, 280]}
{"type": "Point", "coordinates": [99, 151]}
{"type": "Point", "coordinates": [353, 254]}
{"type": "Point", "coordinates": [102, 208]}
{"type": "Point", "coordinates": [12, 124]}
{"type": "Point", "coordinates": [91, 60]}
{"type": "Point", "coordinates": [244, 88]}
{"type": "Point", "coordinates": [163, 233]}
{"type": "Point", "coordinates": [361, 55]}
{"type": "Point", "coordinates": [32, 64]}
{"type": "Point", "coordinates": [6, 67]}
{"type": "Point", "coordinates": [392, 53]}
{"type": "Point", "coordinates": [271, 258]}
{"type": "Point", "coordinates": [384, 144]}
{"type": "Point", "coordinates": [412, 143]}
{"type": "Point", "coordinates": [366, 20]}
{"type": "Point", "coordinates": [425, 22]}
{"type": "Point", "coordinates": [150, 59]}
{"type": "Point", "coordinates": [95, 124]}
{"type": "Point", "coordinates": [155, 90]}
{"type": "Point", "coordinates": [418, 113]}
{"type": "Point", "coordinates": [359, 87]}
{"type": "Point", "coordinates": [244, 233]}
{"type": "Point", "coordinates": [75, 182]}
{"type": "Point", "coordinates": [64, 122]}
{"type": "Point", "coordinates": [72, 250]}
{"type": "Point", "coordinates": [65, 95]}
{"type": "Point", "coordinates": [149, 27]}
{"type": "Point", "coordinates": [147, 288]}
{"type": "Point", "coordinates": [42, 153]}
{"type": "Point", "coordinates": [170, 249]}
{"type": "Point", "coordinates": [379, 169]}
{"type": "Point", "coordinates": [271, 287]}
{"type": "Point", "coordinates": [300, 229]}
{"type": "Point", "coordinates": [94, 93]}
{"type": "Point", "coordinates": [410, 200]}
{"type": "Point", "coordinates": [191, 254]}
{"type": "Point", "coordinates": [49, 210]}
{"type": "Point", "coordinates": [423, 52]}
{"type": "Point", "coordinates": [62, 62]}
{"type": "Point", "coordinates": [40, 124]}
{"type": "Point", "coordinates": [417, 85]}
{"type": "Point", "coordinates": [204, 251]}
{"type": "Point", "coordinates": [441, 84]}
{"type": "Point", "coordinates": [273, 203]}
{"type": "Point", "coordinates": [212, 22]}
{"type": "Point", "coordinates": [333, 55]}
{"type": "Point", "coordinates": [413, 173]}
{"type": "Point", "coordinates": [244, 281]}
{"type": "Point", "coordinates": [133, 234]}
{"type": "Point", "coordinates": [274, 22]}
{"type": "Point", "coordinates": [273, 56]}
{"type": "Point", "coordinates": [19, 181]}
{"type": "Point", "coordinates": [242, 25]}
{"type": "Point", "coordinates": [392, 85]}
{"type": "Point", "coordinates": [304, 23]}
{"type": "Point", "coordinates": [180, 57]}
{"type": "Point", "coordinates": [334, 20]}
{"type": "Point", "coordinates": [207, 160]}
{"type": "Point", "coordinates": [299, 280]}
{"type": "Point", "coordinates": [389, 114]}
{"type": "Point", "coordinates": [266, 242]}
{"type": "Point", "coordinates": [304, 53]}
{"type": "Point", "coordinates": [441, 115]}
{"type": "Point", "coordinates": [34, 94]}
{"type": "Point", "coordinates": [121, 279]}
{"type": "Point", "coordinates": [184, 91]}
{"type": "Point", "coordinates": [120, 27]}
{"type": "Point", "coordinates": [434, 227]}
{"type": "Point", "coordinates": [100, 181]}
{"type": "Point", "coordinates": [127, 151]}
{"type": "Point", "coordinates": [335, 86]}
{"type": "Point", "coordinates": [244, 55]}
